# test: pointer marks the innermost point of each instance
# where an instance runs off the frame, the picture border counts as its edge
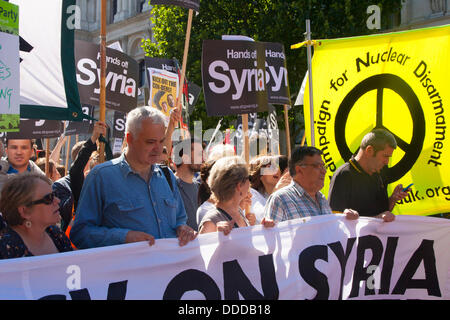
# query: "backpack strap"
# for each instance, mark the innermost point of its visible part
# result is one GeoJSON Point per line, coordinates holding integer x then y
{"type": "Point", "coordinates": [166, 172]}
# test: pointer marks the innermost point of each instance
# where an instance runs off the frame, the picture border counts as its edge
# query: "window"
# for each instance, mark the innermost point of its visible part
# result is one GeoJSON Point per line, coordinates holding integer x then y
{"type": "Point", "coordinates": [142, 73]}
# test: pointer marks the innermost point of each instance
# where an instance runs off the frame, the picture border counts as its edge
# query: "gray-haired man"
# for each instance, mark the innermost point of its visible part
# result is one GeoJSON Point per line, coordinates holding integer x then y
{"type": "Point", "coordinates": [129, 199]}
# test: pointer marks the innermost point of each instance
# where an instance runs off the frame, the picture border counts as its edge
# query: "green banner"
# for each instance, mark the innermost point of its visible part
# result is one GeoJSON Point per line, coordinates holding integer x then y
{"type": "Point", "coordinates": [9, 18]}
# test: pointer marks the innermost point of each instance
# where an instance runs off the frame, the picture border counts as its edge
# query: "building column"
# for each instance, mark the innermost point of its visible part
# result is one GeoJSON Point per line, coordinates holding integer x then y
{"type": "Point", "coordinates": [98, 12]}
{"type": "Point", "coordinates": [84, 19]}
{"type": "Point", "coordinates": [438, 7]}
{"type": "Point", "coordinates": [147, 6]}
{"type": "Point", "coordinates": [122, 10]}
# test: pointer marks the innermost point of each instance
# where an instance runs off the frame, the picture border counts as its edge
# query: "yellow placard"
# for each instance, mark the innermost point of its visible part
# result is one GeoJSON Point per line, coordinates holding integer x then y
{"type": "Point", "coordinates": [396, 81]}
{"type": "Point", "coordinates": [163, 91]}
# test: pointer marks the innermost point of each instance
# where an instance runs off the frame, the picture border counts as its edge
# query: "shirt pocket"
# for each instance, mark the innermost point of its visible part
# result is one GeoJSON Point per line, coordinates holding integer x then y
{"type": "Point", "coordinates": [129, 205]}
{"type": "Point", "coordinates": [170, 211]}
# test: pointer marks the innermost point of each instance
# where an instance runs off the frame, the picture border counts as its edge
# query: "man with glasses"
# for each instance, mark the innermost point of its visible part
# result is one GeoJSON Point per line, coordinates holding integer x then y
{"type": "Point", "coordinates": [361, 183]}
{"type": "Point", "coordinates": [302, 197]}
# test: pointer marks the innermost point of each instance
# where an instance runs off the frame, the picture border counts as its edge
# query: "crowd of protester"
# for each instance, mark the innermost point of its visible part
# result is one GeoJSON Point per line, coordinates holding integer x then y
{"type": "Point", "coordinates": [175, 192]}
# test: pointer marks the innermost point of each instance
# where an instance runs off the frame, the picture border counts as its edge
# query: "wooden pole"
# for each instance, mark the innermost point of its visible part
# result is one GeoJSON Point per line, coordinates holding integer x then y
{"type": "Point", "coordinates": [67, 153]}
{"type": "Point", "coordinates": [183, 67]}
{"type": "Point", "coordinates": [47, 156]}
{"type": "Point", "coordinates": [246, 139]}
{"type": "Point", "coordinates": [288, 134]}
{"type": "Point", "coordinates": [303, 139]}
{"type": "Point", "coordinates": [102, 102]}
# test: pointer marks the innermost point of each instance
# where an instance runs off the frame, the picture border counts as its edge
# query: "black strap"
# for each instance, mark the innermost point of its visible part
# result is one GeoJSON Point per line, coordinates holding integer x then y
{"type": "Point", "coordinates": [166, 172]}
{"type": "Point", "coordinates": [228, 216]}
{"type": "Point", "coordinates": [109, 154]}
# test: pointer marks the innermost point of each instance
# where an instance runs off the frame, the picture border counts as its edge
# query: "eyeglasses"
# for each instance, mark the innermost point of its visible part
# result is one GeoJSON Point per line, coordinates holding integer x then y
{"type": "Point", "coordinates": [47, 199]}
{"type": "Point", "coordinates": [319, 166]}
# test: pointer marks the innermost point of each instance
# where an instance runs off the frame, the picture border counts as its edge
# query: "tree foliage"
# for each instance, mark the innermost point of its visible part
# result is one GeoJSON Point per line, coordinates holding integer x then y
{"type": "Point", "coordinates": [280, 21]}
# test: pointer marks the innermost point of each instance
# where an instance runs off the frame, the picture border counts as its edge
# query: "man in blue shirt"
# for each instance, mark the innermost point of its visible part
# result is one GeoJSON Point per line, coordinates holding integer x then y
{"type": "Point", "coordinates": [129, 199]}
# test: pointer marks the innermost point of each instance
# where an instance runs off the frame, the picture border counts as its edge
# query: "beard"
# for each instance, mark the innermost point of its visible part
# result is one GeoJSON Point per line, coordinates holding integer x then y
{"type": "Point", "coordinates": [194, 168]}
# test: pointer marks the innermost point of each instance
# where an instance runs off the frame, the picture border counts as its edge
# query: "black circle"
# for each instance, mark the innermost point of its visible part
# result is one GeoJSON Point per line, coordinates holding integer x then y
{"type": "Point", "coordinates": [379, 82]}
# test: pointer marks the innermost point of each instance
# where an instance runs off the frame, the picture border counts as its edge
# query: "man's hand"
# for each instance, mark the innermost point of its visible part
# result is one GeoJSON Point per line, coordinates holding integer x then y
{"type": "Point", "coordinates": [387, 216]}
{"type": "Point", "coordinates": [351, 214]}
{"type": "Point", "coordinates": [185, 234]}
{"type": "Point", "coordinates": [397, 195]}
{"type": "Point", "coordinates": [136, 236]}
{"type": "Point", "coordinates": [267, 223]}
{"type": "Point", "coordinates": [175, 116]}
{"type": "Point", "coordinates": [99, 128]}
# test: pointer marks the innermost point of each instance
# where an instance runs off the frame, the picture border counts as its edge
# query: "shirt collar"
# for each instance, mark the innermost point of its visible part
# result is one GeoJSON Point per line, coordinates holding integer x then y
{"type": "Point", "coordinates": [355, 164]}
{"type": "Point", "coordinates": [303, 193]}
{"type": "Point", "coordinates": [14, 170]}
{"type": "Point", "coordinates": [126, 169]}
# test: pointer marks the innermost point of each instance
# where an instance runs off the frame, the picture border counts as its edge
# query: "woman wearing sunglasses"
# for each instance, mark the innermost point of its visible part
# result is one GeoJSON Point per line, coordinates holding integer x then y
{"type": "Point", "coordinates": [31, 212]}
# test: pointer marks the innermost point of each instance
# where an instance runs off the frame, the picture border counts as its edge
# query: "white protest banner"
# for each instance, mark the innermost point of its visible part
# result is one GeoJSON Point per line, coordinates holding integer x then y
{"type": "Point", "coordinates": [324, 257]}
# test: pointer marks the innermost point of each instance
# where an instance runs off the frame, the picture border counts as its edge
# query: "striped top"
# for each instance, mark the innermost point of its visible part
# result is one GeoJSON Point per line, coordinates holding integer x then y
{"type": "Point", "coordinates": [292, 202]}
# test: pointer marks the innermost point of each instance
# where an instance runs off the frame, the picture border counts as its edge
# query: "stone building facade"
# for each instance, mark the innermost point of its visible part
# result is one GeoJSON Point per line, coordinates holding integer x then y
{"type": "Point", "coordinates": [424, 13]}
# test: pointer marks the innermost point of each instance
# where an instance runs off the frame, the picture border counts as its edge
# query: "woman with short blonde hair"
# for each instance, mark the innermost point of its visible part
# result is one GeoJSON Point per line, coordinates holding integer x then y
{"type": "Point", "coordinates": [229, 184]}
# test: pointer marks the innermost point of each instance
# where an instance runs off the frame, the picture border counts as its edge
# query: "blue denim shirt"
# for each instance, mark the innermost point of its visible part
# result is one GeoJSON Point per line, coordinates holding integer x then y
{"type": "Point", "coordinates": [115, 200]}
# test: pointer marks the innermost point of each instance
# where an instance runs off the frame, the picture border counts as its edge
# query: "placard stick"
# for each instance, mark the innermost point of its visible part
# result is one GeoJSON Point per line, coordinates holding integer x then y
{"type": "Point", "coordinates": [102, 102]}
{"type": "Point", "coordinates": [47, 156]}
{"type": "Point", "coordinates": [311, 103]}
{"type": "Point", "coordinates": [288, 135]}
{"type": "Point", "coordinates": [303, 139]}
{"type": "Point", "coordinates": [67, 153]}
{"type": "Point", "coordinates": [183, 67]}
{"type": "Point", "coordinates": [246, 140]}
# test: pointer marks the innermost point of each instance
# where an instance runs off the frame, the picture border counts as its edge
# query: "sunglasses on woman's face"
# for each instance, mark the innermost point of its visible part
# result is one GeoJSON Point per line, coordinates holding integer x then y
{"type": "Point", "coordinates": [47, 199]}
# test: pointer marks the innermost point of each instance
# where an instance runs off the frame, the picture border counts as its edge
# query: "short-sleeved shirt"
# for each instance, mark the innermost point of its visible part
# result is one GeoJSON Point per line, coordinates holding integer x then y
{"type": "Point", "coordinates": [12, 245]}
{"type": "Point", "coordinates": [292, 202]}
{"type": "Point", "coordinates": [352, 188]}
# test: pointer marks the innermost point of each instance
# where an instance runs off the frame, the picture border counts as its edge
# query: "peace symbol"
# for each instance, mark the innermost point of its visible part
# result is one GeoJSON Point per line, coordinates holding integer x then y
{"type": "Point", "coordinates": [379, 83]}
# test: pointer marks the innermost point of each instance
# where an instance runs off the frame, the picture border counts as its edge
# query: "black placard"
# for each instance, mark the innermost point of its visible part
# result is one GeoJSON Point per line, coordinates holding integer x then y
{"type": "Point", "coordinates": [233, 74]}
{"type": "Point", "coordinates": [122, 77]}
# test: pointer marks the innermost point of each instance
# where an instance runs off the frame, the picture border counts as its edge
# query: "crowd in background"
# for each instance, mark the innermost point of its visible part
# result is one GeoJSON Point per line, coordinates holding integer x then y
{"type": "Point", "coordinates": [148, 192]}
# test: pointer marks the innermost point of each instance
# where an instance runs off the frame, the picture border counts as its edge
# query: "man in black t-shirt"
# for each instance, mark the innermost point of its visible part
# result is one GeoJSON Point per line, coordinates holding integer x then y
{"type": "Point", "coordinates": [361, 183]}
{"type": "Point", "coordinates": [188, 163]}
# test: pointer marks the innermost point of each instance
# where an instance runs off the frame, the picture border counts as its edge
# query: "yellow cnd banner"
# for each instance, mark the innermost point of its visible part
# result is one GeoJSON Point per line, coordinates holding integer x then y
{"type": "Point", "coordinates": [396, 81]}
